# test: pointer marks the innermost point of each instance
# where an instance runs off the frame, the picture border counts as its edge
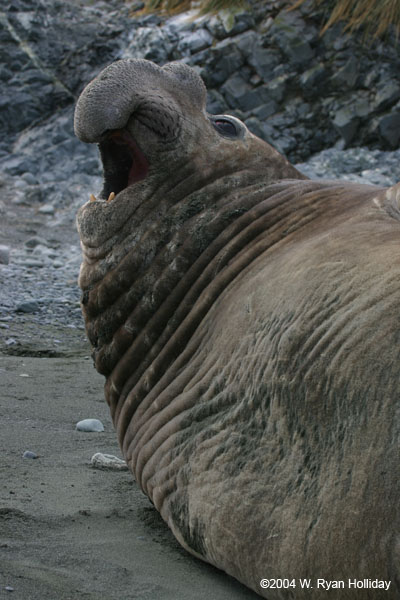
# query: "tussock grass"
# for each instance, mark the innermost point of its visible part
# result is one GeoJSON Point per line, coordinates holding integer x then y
{"type": "Point", "coordinates": [203, 6]}
{"type": "Point", "coordinates": [374, 15]}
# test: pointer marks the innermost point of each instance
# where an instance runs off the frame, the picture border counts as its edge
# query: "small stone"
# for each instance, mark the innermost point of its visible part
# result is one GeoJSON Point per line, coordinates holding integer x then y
{"type": "Point", "coordinates": [45, 251]}
{"type": "Point", "coordinates": [4, 255]}
{"type": "Point", "coordinates": [32, 262]}
{"type": "Point", "coordinates": [108, 462]}
{"type": "Point", "coordinates": [36, 241]}
{"type": "Point", "coordinates": [47, 209]}
{"type": "Point", "coordinates": [28, 307]}
{"type": "Point", "coordinates": [24, 375]}
{"type": "Point", "coordinates": [29, 178]}
{"type": "Point", "coordinates": [8, 588]}
{"type": "Point", "coordinates": [29, 454]}
{"type": "Point", "coordinates": [90, 425]}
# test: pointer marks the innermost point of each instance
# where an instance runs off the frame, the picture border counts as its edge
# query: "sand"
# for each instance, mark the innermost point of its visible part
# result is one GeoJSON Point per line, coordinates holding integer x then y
{"type": "Point", "coordinates": [67, 530]}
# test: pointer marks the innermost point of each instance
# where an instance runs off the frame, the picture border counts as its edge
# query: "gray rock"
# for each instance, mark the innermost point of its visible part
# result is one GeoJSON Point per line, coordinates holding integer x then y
{"type": "Point", "coordinates": [263, 130]}
{"type": "Point", "coordinates": [346, 76]}
{"type": "Point", "coordinates": [227, 23]}
{"type": "Point", "coordinates": [216, 104]}
{"type": "Point", "coordinates": [346, 123]}
{"type": "Point", "coordinates": [219, 63]}
{"type": "Point", "coordinates": [4, 254]}
{"type": "Point", "coordinates": [285, 144]}
{"type": "Point", "coordinates": [28, 307]}
{"type": "Point", "coordinates": [246, 41]}
{"type": "Point", "coordinates": [277, 88]}
{"type": "Point", "coordinates": [32, 263]}
{"type": "Point", "coordinates": [264, 61]}
{"type": "Point", "coordinates": [29, 454]}
{"type": "Point", "coordinates": [292, 35]}
{"type": "Point", "coordinates": [265, 110]}
{"type": "Point", "coordinates": [238, 93]}
{"type": "Point", "coordinates": [36, 241]}
{"type": "Point", "coordinates": [47, 209]}
{"type": "Point", "coordinates": [30, 179]}
{"type": "Point", "coordinates": [312, 79]}
{"type": "Point", "coordinates": [195, 42]}
{"type": "Point", "coordinates": [386, 96]}
{"type": "Point", "coordinates": [361, 106]}
{"type": "Point", "coordinates": [152, 43]}
{"type": "Point", "coordinates": [389, 128]}
{"type": "Point", "coordinates": [90, 425]}
{"type": "Point", "coordinates": [108, 462]}
{"type": "Point", "coordinates": [44, 251]}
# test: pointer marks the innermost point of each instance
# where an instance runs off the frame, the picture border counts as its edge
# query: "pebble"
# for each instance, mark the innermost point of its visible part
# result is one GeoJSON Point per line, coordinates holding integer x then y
{"type": "Point", "coordinates": [89, 425]}
{"type": "Point", "coordinates": [31, 262]}
{"type": "Point", "coordinates": [8, 588]}
{"type": "Point", "coordinates": [36, 241]}
{"type": "Point", "coordinates": [4, 255]}
{"type": "Point", "coordinates": [29, 454]}
{"type": "Point", "coordinates": [108, 462]}
{"type": "Point", "coordinates": [28, 307]}
{"type": "Point", "coordinates": [47, 209]}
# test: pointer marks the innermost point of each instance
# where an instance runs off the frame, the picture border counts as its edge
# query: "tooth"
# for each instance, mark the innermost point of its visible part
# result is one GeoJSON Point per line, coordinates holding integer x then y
{"type": "Point", "coordinates": [111, 197]}
{"type": "Point", "coordinates": [93, 198]}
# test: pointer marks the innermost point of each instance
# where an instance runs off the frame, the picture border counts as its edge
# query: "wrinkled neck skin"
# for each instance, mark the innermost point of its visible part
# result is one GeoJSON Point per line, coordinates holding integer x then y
{"type": "Point", "coordinates": [175, 242]}
{"type": "Point", "coordinates": [246, 321]}
{"type": "Point", "coordinates": [195, 195]}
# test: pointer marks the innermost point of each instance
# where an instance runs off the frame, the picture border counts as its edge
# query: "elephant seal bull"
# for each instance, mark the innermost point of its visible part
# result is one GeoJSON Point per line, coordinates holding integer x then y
{"type": "Point", "coordinates": [247, 322]}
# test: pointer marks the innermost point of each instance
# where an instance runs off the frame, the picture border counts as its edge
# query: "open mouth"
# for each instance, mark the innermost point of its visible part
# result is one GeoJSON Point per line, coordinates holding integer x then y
{"type": "Point", "coordinates": [123, 163]}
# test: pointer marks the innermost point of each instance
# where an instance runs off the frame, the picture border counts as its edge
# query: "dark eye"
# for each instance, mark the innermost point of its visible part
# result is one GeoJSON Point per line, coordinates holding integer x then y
{"type": "Point", "coordinates": [225, 127]}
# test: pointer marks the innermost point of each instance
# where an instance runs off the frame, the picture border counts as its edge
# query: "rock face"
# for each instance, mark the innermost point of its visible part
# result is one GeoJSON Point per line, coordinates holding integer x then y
{"type": "Point", "coordinates": [298, 90]}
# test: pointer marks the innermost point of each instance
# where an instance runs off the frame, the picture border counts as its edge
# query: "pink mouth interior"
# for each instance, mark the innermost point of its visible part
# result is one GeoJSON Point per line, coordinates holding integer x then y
{"type": "Point", "coordinates": [140, 166]}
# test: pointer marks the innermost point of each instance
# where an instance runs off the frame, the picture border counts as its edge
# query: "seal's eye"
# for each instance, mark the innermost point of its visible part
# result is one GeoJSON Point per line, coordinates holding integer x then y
{"type": "Point", "coordinates": [225, 127]}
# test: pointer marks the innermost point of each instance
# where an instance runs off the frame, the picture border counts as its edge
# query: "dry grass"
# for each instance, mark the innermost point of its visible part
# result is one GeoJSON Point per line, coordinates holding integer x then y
{"type": "Point", "coordinates": [374, 15]}
{"type": "Point", "coordinates": [204, 6]}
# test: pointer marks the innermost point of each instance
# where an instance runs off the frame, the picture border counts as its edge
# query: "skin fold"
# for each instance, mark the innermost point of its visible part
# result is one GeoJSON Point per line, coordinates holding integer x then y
{"type": "Point", "coordinates": [246, 320]}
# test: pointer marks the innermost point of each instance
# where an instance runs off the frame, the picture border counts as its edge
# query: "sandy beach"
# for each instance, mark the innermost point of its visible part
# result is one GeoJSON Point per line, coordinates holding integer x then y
{"type": "Point", "coordinates": [67, 530]}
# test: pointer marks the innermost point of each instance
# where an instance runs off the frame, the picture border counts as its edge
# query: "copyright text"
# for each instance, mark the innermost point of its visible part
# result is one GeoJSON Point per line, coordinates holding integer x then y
{"type": "Point", "coordinates": [325, 584]}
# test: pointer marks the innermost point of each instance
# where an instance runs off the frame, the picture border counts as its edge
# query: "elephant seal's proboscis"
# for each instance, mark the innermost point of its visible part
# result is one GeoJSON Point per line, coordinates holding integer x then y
{"type": "Point", "coordinates": [247, 322]}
